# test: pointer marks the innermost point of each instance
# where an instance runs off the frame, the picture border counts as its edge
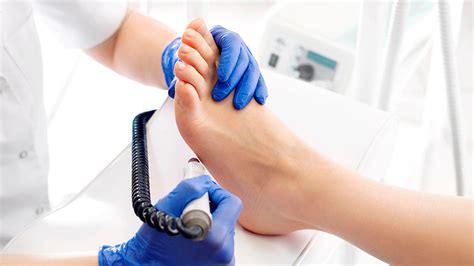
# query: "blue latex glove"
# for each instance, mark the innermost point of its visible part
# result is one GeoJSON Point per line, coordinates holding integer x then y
{"type": "Point", "coordinates": [168, 60]}
{"type": "Point", "coordinates": [150, 247]}
{"type": "Point", "coordinates": [237, 69]}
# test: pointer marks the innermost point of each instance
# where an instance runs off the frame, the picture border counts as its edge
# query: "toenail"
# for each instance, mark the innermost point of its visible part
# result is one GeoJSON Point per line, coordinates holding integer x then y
{"type": "Point", "coordinates": [202, 29]}
{"type": "Point", "coordinates": [180, 65]}
{"type": "Point", "coordinates": [185, 48]}
{"type": "Point", "coordinates": [191, 33]}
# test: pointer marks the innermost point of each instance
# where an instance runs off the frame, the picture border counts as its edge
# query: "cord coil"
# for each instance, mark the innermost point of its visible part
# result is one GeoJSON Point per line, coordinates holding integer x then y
{"type": "Point", "coordinates": [141, 200]}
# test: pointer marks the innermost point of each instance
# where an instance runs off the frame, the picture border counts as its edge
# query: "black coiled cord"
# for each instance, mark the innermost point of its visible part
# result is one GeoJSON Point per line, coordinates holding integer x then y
{"type": "Point", "coordinates": [141, 201]}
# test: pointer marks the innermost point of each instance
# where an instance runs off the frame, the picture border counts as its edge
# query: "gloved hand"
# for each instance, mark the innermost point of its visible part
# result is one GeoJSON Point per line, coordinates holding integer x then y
{"type": "Point", "coordinates": [150, 247]}
{"type": "Point", "coordinates": [237, 69]}
{"type": "Point", "coordinates": [168, 60]}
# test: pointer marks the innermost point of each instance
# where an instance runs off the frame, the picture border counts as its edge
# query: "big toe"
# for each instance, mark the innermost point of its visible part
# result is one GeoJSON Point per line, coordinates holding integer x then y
{"type": "Point", "coordinates": [188, 111]}
{"type": "Point", "coordinates": [199, 25]}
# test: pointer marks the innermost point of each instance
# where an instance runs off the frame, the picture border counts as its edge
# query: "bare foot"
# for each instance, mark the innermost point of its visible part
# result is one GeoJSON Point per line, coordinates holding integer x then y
{"type": "Point", "coordinates": [249, 152]}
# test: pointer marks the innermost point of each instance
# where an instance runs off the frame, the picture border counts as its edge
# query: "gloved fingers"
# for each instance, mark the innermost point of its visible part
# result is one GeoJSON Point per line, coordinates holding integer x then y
{"type": "Point", "coordinates": [261, 93]}
{"type": "Point", "coordinates": [230, 45]}
{"type": "Point", "coordinates": [220, 240]}
{"type": "Point", "coordinates": [169, 58]}
{"type": "Point", "coordinates": [224, 88]}
{"type": "Point", "coordinates": [186, 191]}
{"type": "Point", "coordinates": [226, 254]}
{"type": "Point", "coordinates": [192, 57]}
{"type": "Point", "coordinates": [196, 41]}
{"type": "Point", "coordinates": [246, 87]}
{"type": "Point", "coordinates": [172, 88]}
{"type": "Point", "coordinates": [217, 32]}
{"type": "Point", "coordinates": [228, 207]}
{"type": "Point", "coordinates": [220, 91]}
{"type": "Point", "coordinates": [224, 220]}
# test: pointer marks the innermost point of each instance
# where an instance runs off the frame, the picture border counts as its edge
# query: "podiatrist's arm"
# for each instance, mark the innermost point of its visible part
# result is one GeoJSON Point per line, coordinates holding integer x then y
{"type": "Point", "coordinates": [133, 45]}
{"type": "Point", "coordinates": [150, 247]}
{"type": "Point", "coordinates": [141, 44]}
{"type": "Point", "coordinates": [135, 49]}
{"type": "Point", "coordinates": [85, 258]}
{"type": "Point", "coordinates": [397, 225]}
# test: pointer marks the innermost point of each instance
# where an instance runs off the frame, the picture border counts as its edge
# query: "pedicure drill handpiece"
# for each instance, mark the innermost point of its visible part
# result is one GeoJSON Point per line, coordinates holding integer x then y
{"type": "Point", "coordinates": [197, 212]}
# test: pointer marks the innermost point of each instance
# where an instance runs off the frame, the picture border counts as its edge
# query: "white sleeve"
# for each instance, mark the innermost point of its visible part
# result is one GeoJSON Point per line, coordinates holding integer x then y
{"type": "Point", "coordinates": [81, 23]}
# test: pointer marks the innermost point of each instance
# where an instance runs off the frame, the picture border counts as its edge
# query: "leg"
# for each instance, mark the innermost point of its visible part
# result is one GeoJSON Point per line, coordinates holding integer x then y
{"type": "Point", "coordinates": [254, 155]}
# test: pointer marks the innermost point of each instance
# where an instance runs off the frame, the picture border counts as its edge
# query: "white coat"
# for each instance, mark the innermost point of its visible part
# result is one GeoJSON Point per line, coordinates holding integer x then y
{"type": "Point", "coordinates": [23, 129]}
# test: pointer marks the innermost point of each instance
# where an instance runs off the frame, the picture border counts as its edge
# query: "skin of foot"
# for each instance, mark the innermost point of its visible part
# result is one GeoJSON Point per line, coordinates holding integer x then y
{"type": "Point", "coordinates": [249, 152]}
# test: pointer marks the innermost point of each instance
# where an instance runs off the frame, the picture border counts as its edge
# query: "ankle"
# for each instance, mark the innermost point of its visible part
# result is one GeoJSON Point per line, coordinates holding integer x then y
{"type": "Point", "coordinates": [311, 175]}
{"type": "Point", "coordinates": [291, 171]}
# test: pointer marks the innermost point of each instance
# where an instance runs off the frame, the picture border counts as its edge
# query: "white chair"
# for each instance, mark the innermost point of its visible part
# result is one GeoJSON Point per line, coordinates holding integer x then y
{"type": "Point", "coordinates": [356, 136]}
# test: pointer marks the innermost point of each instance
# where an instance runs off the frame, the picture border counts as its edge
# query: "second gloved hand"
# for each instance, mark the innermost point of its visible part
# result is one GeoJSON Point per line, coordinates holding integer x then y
{"type": "Point", "coordinates": [237, 69]}
{"type": "Point", "coordinates": [150, 247]}
{"type": "Point", "coordinates": [168, 60]}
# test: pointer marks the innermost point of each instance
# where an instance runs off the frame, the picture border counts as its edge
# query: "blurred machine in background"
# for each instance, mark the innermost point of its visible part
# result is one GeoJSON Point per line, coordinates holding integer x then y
{"type": "Point", "coordinates": [322, 54]}
{"type": "Point", "coordinates": [322, 62]}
